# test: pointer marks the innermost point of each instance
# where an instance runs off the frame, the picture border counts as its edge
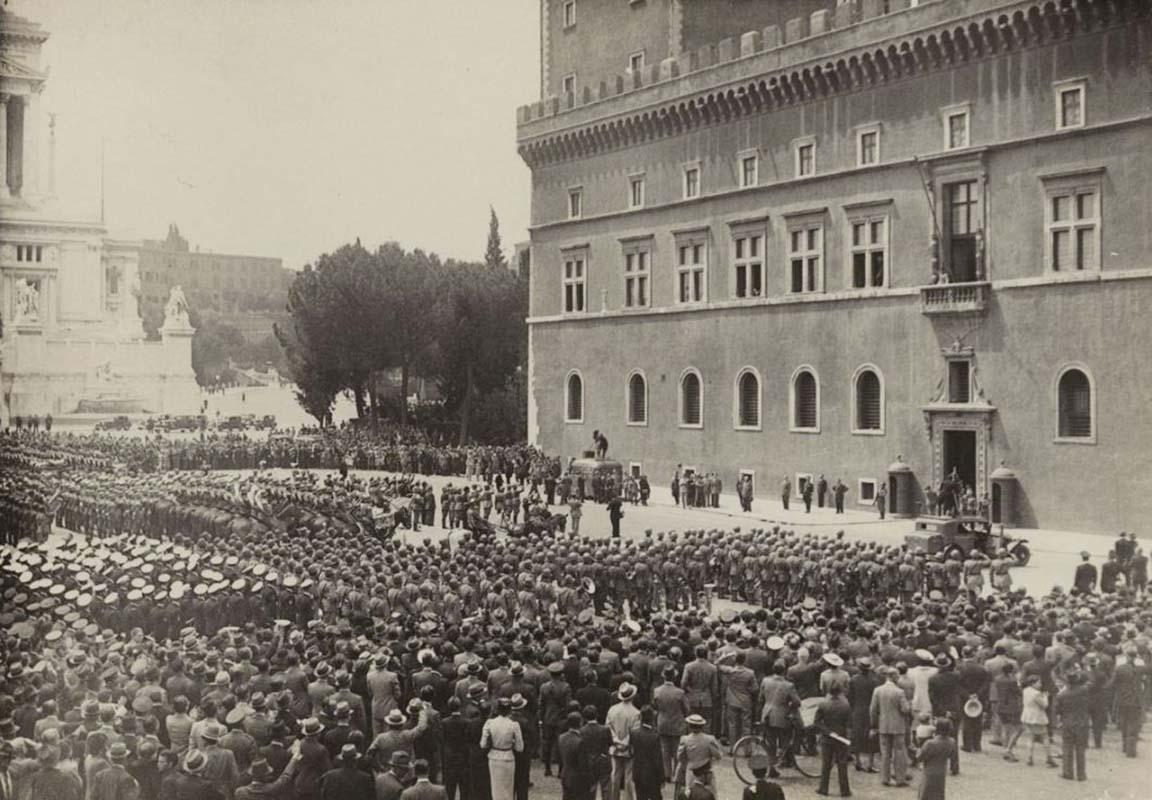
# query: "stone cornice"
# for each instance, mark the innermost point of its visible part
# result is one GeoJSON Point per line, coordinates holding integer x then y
{"type": "Point", "coordinates": [734, 81]}
{"type": "Point", "coordinates": [18, 29]}
{"type": "Point", "coordinates": [841, 296]}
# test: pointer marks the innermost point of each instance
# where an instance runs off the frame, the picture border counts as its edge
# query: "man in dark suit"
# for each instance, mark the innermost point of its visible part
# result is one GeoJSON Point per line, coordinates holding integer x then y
{"type": "Point", "coordinates": [455, 753]}
{"type": "Point", "coordinates": [975, 681]}
{"type": "Point", "coordinates": [1072, 708]}
{"type": "Point", "coordinates": [834, 720]}
{"type": "Point", "coordinates": [671, 706]}
{"type": "Point", "coordinates": [347, 781]}
{"type": "Point", "coordinates": [945, 694]}
{"type": "Point", "coordinates": [597, 741]}
{"type": "Point", "coordinates": [647, 757]}
{"type": "Point", "coordinates": [575, 770]}
{"type": "Point", "coordinates": [554, 697]}
{"type": "Point", "coordinates": [1126, 680]}
{"type": "Point", "coordinates": [1085, 578]}
{"type": "Point", "coordinates": [700, 682]}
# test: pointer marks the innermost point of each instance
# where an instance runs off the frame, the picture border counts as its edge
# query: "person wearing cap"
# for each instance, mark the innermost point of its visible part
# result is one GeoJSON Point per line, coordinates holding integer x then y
{"type": "Point", "coordinates": [696, 754]}
{"type": "Point", "coordinates": [834, 721]}
{"type": "Point", "coordinates": [501, 739]}
{"type": "Point", "coordinates": [346, 781]}
{"type": "Point", "coordinates": [115, 782]}
{"type": "Point", "coordinates": [623, 719]}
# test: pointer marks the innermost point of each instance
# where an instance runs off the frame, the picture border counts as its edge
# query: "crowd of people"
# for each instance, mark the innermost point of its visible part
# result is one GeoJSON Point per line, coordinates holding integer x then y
{"type": "Point", "coordinates": [227, 634]}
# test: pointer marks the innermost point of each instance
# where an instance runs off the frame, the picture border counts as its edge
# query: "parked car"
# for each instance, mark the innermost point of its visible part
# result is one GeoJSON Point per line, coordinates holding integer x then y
{"type": "Point", "coordinates": [965, 534]}
{"type": "Point", "coordinates": [119, 423]}
{"type": "Point", "coordinates": [266, 423]}
{"type": "Point", "coordinates": [235, 423]}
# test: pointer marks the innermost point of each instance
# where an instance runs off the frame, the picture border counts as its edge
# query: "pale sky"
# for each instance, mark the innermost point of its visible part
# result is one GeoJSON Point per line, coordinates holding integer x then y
{"type": "Point", "coordinates": [289, 127]}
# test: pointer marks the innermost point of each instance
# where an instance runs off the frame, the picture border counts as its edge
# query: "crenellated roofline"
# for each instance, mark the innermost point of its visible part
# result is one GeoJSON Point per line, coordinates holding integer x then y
{"type": "Point", "coordinates": [758, 73]}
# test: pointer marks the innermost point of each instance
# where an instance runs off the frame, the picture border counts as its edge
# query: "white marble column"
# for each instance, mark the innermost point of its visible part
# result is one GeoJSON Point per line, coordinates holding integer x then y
{"type": "Point", "coordinates": [3, 145]}
{"type": "Point", "coordinates": [31, 167]}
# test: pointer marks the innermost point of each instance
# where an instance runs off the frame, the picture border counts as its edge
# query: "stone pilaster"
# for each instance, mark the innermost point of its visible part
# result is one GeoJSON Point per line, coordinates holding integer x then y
{"type": "Point", "coordinates": [3, 145]}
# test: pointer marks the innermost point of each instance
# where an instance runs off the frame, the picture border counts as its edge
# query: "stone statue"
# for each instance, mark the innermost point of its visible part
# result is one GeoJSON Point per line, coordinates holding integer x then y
{"type": "Point", "coordinates": [27, 300]}
{"type": "Point", "coordinates": [176, 311]}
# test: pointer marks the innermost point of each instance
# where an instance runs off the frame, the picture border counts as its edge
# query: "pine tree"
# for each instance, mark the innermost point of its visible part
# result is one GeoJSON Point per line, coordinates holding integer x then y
{"type": "Point", "coordinates": [494, 253]}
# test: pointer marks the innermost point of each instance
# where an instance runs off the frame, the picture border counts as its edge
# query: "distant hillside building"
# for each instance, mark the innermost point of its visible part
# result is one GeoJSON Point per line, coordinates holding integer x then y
{"type": "Point", "coordinates": [220, 282]}
{"type": "Point", "coordinates": [879, 240]}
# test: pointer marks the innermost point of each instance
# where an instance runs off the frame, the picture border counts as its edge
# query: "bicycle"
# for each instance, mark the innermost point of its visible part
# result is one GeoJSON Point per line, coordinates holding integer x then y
{"type": "Point", "coordinates": [800, 751]}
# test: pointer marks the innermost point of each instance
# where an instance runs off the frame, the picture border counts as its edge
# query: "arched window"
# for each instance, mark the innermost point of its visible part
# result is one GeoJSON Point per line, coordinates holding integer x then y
{"type": "Point", "coordinates": [691, 400]}
{"type": "Point", "coordinates": [574, 399]}
{"type": "Point", "coordinates": [748, 399]}
{"type": "Point", "coordinates": [805, 401]}
{"type": "Point", "coordinates": [1075, 405]}
{"type": "Point", "coordinates": [869, 401]}
{"type": "Point", "coordinates": [637, 400]}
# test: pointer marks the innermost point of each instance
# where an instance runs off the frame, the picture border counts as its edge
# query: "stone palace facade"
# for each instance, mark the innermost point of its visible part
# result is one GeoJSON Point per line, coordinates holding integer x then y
{"type": "Point", "coordinates": [883, 241]}
{"type": "Point", "coordinates": [72, 334]}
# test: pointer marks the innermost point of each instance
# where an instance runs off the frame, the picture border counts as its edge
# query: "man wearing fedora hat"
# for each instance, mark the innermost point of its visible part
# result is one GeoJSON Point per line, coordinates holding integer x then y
{"type": "Point", "coordinates": [49, 782]}
{"type": "Point", "coordinates": [696, 754]}
{"type": "Point", "coordinates": [1072, 709]}
{"type": "Point", "coordinates": [222, 769]}
{"type": "Point", "coordinates": [398, 737]}
{"type": "Point", "coordinates": [314, 760]}
{"type": "Point", "coordinates": [190, 781]}
{"type": "Point", "coordinates": [391, 782]}
{"type": "Point", "coordinates": [623, 720]}
{"type": "Point", "coordinates": [347, 781]}
{"type": "Point", "coordinates": [266, 785]}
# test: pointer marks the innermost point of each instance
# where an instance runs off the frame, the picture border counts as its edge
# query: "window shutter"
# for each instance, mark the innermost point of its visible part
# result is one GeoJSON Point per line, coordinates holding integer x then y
{"type": "Point", "coordinates": [805, 400]}
{"type": "Point", "coordinates": [691, 405]}
{"type": "Point", "coordinates": [749, 400]}
{"type": "Point", "coordinates": [637, 412]}
{"type": "Point", "coordinates": [575, 398]}
{"type": "Point", "coordinates": [1075, 405]}
{"type": "Point", "coordinates": [868, 401]}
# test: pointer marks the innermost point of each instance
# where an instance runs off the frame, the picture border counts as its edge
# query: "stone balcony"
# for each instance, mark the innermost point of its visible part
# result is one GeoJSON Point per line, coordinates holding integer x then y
{"type": "Point", "coordinates": [955, 298]}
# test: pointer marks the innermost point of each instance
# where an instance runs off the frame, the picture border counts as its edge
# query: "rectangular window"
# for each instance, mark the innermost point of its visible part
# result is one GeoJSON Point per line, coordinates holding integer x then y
{"type": "Point", "coordinates": [691, 182]}
{"type": "Point", "coordinates": [956, 130]}
{"type": "Point", "coordinates": [866, 490]}
{"type": "Point", "coordinates": [869, 251]}
{"type": "Point", "coordinates": [748, 263]}
{"type": "Point", "coordinates": [637, 265]}
{"type": "Point", "coordinates": [575, 203]}
{"type": "Point", "coordinates": [570, 13]}
{"type": "Point", "coordinates": [806, 258]}
{"type": "Point", "coordinates": [636, 62]}
{"type": "Point", "coordinates": [1070, 104]}
{"type": "Point", "coordinates": [575, 281]}
{"type": "Point", "coordinates": [805, 153]}
{"type": "Point", "coordinates": [636, 191]}
{"type": "Point", "coordinates": [959, 381]}
{"type": "Point", "coordinates": [1073, 227]}
{"type": "Point", "coordinates": [868, 146]}
{"type": "Point", "coordinates": [691, 268]}
{"type": "Point", "coordinates": [963, 224]}
{"type": "Point", "coordinates": [749, 169]}
{"type": "Point", "coordinates": [568, 84]}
